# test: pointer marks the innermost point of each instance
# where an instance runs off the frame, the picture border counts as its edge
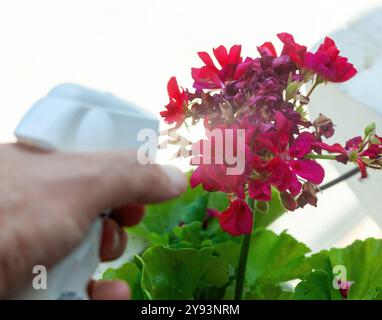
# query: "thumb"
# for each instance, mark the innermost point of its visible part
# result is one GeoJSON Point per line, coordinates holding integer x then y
{"type": "Point", "coordinates": [121, 179]}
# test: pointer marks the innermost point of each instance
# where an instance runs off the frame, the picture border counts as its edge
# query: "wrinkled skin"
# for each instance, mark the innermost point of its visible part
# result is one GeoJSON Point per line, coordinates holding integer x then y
{"type": "Point", "coordinates": [49, 200]}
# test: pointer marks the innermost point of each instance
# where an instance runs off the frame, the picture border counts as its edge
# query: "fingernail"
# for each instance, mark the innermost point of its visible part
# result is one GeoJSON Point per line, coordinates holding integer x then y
{"type": "Point", "coordinates": [116, 242]}
{"type": "Point", "coordinates": [113, 241]}
{"type": "Point", "coordinates": [177, 178]}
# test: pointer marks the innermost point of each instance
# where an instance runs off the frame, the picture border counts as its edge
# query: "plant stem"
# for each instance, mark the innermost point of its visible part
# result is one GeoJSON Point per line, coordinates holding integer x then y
{"type": "Point", "coordinates": [341, 178]}
{"type": "Point", "coordinates": [240, 277]}
{"type": "Point", "coordinates": [242, 266]}
{"type": "Point", "coordinates": [316, 83]}
{"type": "Point", "coordinates": [320, 156]}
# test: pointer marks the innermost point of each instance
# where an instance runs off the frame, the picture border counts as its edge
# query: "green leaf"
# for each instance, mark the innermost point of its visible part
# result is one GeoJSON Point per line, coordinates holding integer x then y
{"type": "Point", "coordinates": [188, 233]}
{"type": "Point", "coordinates": [210, 293]}
{"type": "Point", "coordinates": [176, 273]}
{"type": "Point", "coordinates": [130, 273]}
{"type": "Point", "coordinates": [317, 261]}
{"type": "Point", "coordinates": [229, 251]}
{"type": "Point", "coordinates": [274, 258]}
{"type": "Point", "coordinates": [195, 210]}
{"type": "Point", "coordinates": [362, 263]}
{"type": "Point", "coordinates": [317, 285]}
{"type": "Point", "coordinates": [162, 218]}
{"type": "Point", "coordinates": [378, 295]}
{"type": "Point", "coordinates": [216, 273]}
{"type": "Point", "coordinates": [276, 209]}
{"type": "Point", "coordinates": [157, 239]}
{"type": "Point", "coordinates": [218, 201]}
{"type": "Point", "coordinates": [267, 291]}
{"type": "Point", "coordinates": [126, 272]}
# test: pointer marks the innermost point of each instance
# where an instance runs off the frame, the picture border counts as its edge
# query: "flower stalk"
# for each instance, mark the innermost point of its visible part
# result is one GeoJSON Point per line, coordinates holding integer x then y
{"type": "Point", "coordinates": [242, 266]}
{"type": "Point", "coordinates": [320, 156]}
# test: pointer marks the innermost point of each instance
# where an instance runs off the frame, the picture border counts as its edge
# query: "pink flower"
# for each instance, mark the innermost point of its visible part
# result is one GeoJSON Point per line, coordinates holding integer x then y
{"type": "Point", "coordinates": [287, 163]}
{"type": "Point", "coordinates": [292, 49]}
{"type": "Point", "coordinates": [212, 171]}
{"type": "Point", "coordinates": [354, 151]}
{"type": "Point", "coordinates": [282, 176]}
{"type": "Point", "coordinates": [178, 102]}
{"type": "Point", "coordinates": [262, 96]}
{"type": "Point", "coordinates": [213, 177]}
{"type": "Point", "coordinates": [237, 219]}
{"type": "Point", "coordinates": [327, 62]}
{"type": "Point", "coordinates": [211, 77]}
{"type": "Point", "coordinates": [285, 160]}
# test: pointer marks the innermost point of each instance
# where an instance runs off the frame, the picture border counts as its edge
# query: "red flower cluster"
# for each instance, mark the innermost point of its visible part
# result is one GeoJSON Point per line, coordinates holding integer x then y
{"type": "Point", "coordinates": [210, 77]}
{"type": "Point", "coordinates": [365, 152]}
{"type": "Point", "coordinates": [325, 62]}
{"type": "Point", "coordinates": [258, 136]}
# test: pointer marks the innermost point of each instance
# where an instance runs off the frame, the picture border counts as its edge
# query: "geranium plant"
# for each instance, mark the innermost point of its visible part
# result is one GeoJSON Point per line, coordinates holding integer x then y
{"type": "Point", "coordinates": [260, 158]}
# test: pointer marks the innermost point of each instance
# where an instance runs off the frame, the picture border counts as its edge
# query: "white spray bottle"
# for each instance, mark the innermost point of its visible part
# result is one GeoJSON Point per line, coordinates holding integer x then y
{"type": "Point", "coordinates": [72, 118]}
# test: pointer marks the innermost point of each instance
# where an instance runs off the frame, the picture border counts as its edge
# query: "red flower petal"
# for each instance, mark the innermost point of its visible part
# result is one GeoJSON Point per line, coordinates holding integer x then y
{"type": "Point", "coordinates": [242, 68]}
{"type": "Point", "coordinates": [221, 55]}
{"type": "Point", "coordinates": [327, 63]}
{"type": "Point", "coordinates": [302, 145]}
{"type": "Point", "coordinates": [205, 57]}
{"type": "Point", "coordinates": [362, 168]}
{"type": "Point", "coordinates": [234, 54]}
{"type": "Point", "coordinates": [329, 46]}
{"type": "Point", "coordinates": [267, 48]}
{"type": "Point", "coordinates": [259, 190]}
{"type": "Point", "coordinates": [292, 49]}
{"type": "Point", "coordinates": [353, 143]}
{"type": "Point", "coordinates": [173, 89]}
{"type": "Point", "coordinates": [309, 170]}
{"type": "Point", "coordinates": [206, 78]}
{"type": "Point", "coordinates": [237, 219]}
{"type": "Point", "coordinates": [335, 148]}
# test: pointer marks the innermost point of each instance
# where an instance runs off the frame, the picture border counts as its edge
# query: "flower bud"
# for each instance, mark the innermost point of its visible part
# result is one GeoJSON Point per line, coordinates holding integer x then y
{"type": "Point", "coordinates": [308, 195]}
{"type": "Point", "coordinates": [324, 126]}
{"type": "Point", "coordinates": [288, 201]}
{"type": "Point", "coordinates": [370, 129]}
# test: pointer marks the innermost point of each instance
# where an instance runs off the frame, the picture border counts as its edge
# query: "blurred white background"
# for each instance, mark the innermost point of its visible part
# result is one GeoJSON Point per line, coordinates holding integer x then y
{"type": "Point", "coordinates": [131, 48]}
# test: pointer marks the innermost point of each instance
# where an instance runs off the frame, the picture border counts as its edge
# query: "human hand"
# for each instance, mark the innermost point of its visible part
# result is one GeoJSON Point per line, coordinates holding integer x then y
{"type": "Point", "coordinates": [48, 200]}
